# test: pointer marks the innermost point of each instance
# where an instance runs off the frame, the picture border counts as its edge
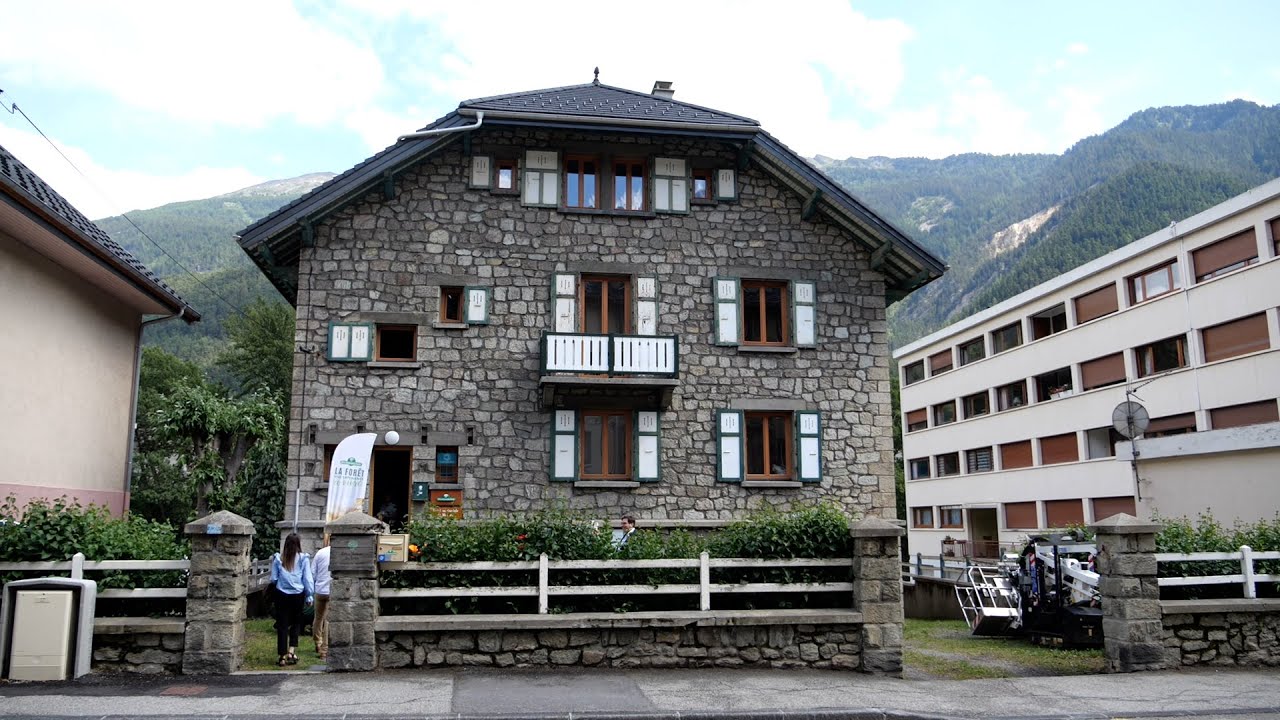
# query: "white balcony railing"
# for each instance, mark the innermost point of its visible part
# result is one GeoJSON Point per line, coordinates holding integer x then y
{"type": "Point", "coordinates": [610, 354]}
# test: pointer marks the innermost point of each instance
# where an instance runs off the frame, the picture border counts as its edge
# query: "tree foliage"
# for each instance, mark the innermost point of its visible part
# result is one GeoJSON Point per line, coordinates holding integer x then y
{"type": "Point", "coordinates": [259, 353]}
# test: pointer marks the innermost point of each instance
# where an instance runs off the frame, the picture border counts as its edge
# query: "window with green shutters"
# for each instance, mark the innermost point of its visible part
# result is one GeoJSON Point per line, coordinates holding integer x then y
{"type": "Point", "coordinates": [761, 312]}
{"type": "Point", "coordinates": [769, 445]}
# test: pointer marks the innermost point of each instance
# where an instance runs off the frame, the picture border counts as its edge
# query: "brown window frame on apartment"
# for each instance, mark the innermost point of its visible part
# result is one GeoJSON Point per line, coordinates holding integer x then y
{"type": "Point", "coordinates": [915, 369]}
{"type": "Point", "coordinates": [941, 460]}
{"type": "Point", "coordinates": [1058, 449]}
{"type": "Point", "coordinates": [1225, 255]}
{"type": "Point", "coordinates": [1138, 291]}
{"type": "Point", "coordinates": [917, 420]}
{"type": "Point", "coordinates": [1153, 358]}
{"type": "Point", "coordinates": [1016, 455]}
{"type": "Point", "coordinates": [1063, 513]}
{"type": "Point", "coordinates": [1049, 322]}
{"type": "Point", "coordinates": [1169, 425]}
{"type": "Point", "coordinates": [706, 175]}
{"type": "Point", "coordinates": [940, 362]}
{"type": "Point", "coordinates": [911, 469]}
{"type": "Point", "coordinates": [940, 408]}
{"type": "Point", "coordinates": [974, 460]}
{"type": "Point", "coordinates": [996, 334]}
{"type": "Point", "coordinates": [605, 439]}
{"type": "Point", "coordinates": [447, 294]}
{"type": "Point", "coordinates": [968, 403]}
{"type": "Point", "coordinates": [964, 354]}
{"type": "Point", "coordinates": [511, 165]}
{"type": "Point", "coordinates": [1004, 400]}
{"type": "Point", "coordinates": [946, 515]}
{"type": "Point", "coordinates": [1016, 513]}
{"type": "Point", "coordinates": [605, 281]}
{"type": "Point", "coordinates": [1275, 237]}
{"type": "Point", "coordinates": [1097, 303]}
{"type": "Point", "coordinates": [1054, 382]}
{"type": "Point", "coordinates": [764, 438]}
{"type": "Point", "coordinates": [578, 178]}
{"type": "Point", "coordinates": [1236, 337]}
{"type": "Point", "coordinates": [1105, 507]}
{"type": "Point", "coordinates": [384, 334]}
{"type": "Point", "coordinates": [922, 517]}
{"type": "Point", "coordinates": [630, 166]}
{"type": "Point", "coordinates": [1102, 372]}
{"type": "Point", "coordinates": [761, 287]}
{"type": "Point", "coordinates": [1254, 413]}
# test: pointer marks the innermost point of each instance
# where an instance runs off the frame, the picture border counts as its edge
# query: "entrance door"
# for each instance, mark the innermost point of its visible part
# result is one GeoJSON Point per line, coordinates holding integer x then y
{"type": "Point", "coordinates": [984, 534]}
{"type": "Point", "coordinates": [390, 486]}
{"type": "Point", "coordinates": [606, 305]}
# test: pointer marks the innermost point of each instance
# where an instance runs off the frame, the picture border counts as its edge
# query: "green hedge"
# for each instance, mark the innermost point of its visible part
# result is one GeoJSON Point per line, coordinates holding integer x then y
{"type": "Point", "coordinates": [1208, 535]}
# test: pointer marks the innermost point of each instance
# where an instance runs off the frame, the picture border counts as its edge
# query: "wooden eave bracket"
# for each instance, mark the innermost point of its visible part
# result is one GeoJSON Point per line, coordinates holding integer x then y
{"type": "Point", "coordinates": [811, 205]}
{"type": "Point", "coordinates": [878, 257]}
{"type": "Point", "coordinates": [744, 155]}
{"type": "Point", "coordinates": [308, 234]}
{"type": "Point", "coordinates": [388, 186]}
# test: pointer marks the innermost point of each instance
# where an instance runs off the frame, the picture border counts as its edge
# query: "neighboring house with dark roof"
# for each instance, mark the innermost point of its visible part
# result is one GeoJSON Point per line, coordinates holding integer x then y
{"type": "Point", "coordinates": [594, 296]}
{"type": "Point", "coordinates": [72, 306]}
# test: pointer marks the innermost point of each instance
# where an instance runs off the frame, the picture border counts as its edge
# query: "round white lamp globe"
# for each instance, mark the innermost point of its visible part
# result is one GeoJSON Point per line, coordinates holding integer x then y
{"type": "Point", "coordinates": [392, 437]}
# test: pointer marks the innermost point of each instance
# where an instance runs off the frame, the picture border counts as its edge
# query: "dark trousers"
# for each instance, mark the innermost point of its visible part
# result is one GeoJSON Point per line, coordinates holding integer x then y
{"type": "Point", "coordinates": [288, 620]}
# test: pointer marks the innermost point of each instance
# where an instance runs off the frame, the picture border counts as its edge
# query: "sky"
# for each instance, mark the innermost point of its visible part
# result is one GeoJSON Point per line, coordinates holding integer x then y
{"type": "Point", "coordinates": [155, 102]}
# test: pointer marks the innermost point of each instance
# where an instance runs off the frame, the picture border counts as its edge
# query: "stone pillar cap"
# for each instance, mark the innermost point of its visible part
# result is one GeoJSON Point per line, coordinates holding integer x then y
{"type": "Point", "coordinates": [876, 527]}
{"type": "Point", "coordinates": [355, 523]}
{"type": "Point", "coordinates": [1125, 524]}
{"type": "Point", "coordinates": [223, 522]}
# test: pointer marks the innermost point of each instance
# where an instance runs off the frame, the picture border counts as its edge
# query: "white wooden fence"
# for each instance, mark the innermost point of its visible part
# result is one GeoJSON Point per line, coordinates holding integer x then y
{"type": "Point", "coordinates": [259, 575]}
{"type": "Point", "coordinates": [77, 566]}
{"type": "Point", "coordinates": [616, 354]}
{"type": "Point", "coordinates": [544, 590]}
{"type": "Point", "coordinates": [1247, 577]}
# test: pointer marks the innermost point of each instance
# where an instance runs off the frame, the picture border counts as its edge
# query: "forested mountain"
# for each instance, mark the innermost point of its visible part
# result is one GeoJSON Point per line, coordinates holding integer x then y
{"type": "Point", "coordinates": [1003, 223]}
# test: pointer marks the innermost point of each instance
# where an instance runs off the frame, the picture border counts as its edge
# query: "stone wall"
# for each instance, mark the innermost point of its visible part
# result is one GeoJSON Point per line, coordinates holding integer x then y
{"type": "Point", "coordinates": [1248, 637]}
{"type": "Point", "coordinates": [385, 260]}
{"type": "Point", "coordinates": [827, 646]}
{"type": "Point", "coordinates": [138, 648]}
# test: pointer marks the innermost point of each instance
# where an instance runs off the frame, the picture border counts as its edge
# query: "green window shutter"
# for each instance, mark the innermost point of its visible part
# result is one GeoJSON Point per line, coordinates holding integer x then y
{"type": "Point", "coordinates": [564, 445]}
{"type": "Point", "coordinates": [670, 185]}
{"type": "Point", "coordinates": [809, 446]}
{"type": "Point", "coordinates": [477, 304]}
{"type": "Point", "coordinates": [564, 306]}
{"type": "Point", "coordinates": [541, 181]}
{"type": "Point", "coordinates": [726, 292]}
{"type": "Point", "coordinates": [804, 313]}
{"type": "Point", "coordinates": [481, 174]}
{"type": "Point", "coordinates": [350, 342]}
{"type": "Point", "coordinates": [646, 312]}
{"type": "Point", "coordinates": [648, 447]}
{"type": "Point", "coordinates": [726, 184]}
{"type": "Point", "coordinates": [729, 450]}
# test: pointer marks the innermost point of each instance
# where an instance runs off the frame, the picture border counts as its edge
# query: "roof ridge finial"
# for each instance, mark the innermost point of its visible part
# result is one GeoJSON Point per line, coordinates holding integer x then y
{"type": "Point", "coordinates": [596, 81]}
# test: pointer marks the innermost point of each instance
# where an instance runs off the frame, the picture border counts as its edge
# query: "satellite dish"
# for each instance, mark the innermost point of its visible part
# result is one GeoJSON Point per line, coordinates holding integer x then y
{"type": "Point", "coordinates": [1130, 419]}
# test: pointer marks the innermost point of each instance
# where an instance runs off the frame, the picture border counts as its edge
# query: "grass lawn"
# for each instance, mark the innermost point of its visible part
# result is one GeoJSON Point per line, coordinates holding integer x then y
{"type": "Point", "coordinates": [260, 648]}
{"type": "Point", "coordinates": [945, 649]}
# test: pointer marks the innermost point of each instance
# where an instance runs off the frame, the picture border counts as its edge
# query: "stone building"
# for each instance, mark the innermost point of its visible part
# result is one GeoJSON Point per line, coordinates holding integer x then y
{"type": "Point", "coordinates": [597, 297]}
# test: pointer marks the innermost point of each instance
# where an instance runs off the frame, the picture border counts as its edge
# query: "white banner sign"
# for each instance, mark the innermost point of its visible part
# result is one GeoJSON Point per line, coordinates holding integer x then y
{"type": "Point", "coordinates": [349, 475]}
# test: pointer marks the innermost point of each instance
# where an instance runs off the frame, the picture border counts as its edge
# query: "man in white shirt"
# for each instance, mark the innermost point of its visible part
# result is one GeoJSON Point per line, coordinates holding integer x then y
{"type": "Point", "coordinates": [319, 624]}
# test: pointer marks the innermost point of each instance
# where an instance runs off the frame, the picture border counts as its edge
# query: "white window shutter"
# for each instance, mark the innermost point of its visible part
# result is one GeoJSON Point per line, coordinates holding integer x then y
{"type": "Point", "coordinates": [804, 306]}
{"type": "Point", "coordinates": [481, 171]}
{"type": "Point", "coordinates": [532, 187]}
{"type": "Point", "coordinates": [662, 194]}
{"type": "Point", "coordinates": [564, 446]}
{"type": "Point", "coordinates": [680, 195]}
{"type": "Point", "coordinates": [350, 342]}
{"type": "Point", "coordinates": [646, 305]}
{"type": "Point", "coordinates": [809, 447]}
{"type": "Point", "coordinates": [477, 309]}
{"type": "Point", "coordinates": [729, 445]}
{"type": "Point", "coordinates": [541, 178]}
{"type": "Point", "coordinates": [565, 307]}
{"type": "Point", "coordinates": [727, 315]}
{"type": "Point", "coordinates": [670, 185]}
{"type": "Point", "coordinates": [726, 184]}
{"type": "Point", "coordinates": [648, 447]}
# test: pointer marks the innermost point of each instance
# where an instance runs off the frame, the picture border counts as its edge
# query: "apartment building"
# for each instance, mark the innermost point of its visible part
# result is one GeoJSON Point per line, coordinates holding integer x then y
{"type": "Point", "coordinates": [1008, 425]}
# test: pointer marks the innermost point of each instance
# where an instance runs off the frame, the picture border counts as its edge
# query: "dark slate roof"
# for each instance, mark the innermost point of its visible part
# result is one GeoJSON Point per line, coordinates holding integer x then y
{"type": "Point", "coordinates": [604, 101]}
{"type": "Point", "coordinates": [17, 178]}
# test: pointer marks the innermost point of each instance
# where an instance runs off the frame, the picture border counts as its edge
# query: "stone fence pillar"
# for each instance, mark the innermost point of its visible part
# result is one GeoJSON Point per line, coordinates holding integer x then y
{"type": "Point", "coordinates": [353, 596]}
{"type": "Point", "coordinates": [1132, 621]}
{"type": "Point", "coordinates": [217, 587]}
{"type": "Point", "coordinates": [877, 593]}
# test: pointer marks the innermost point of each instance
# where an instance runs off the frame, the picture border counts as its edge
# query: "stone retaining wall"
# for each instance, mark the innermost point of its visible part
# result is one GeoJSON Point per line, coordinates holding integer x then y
{"type": "Point", "coordinates": [1246, 638]}
{"type": "Point", "coordinates": [148, 653]}
{"type": "Point", "coordinates": [827, 647]}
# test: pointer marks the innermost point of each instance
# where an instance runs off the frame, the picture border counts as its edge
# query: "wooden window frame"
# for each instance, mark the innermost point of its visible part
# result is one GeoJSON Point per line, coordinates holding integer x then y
{"type": "Point", "coordinates": [970, 455]}
{"type": "Point", "coordinates": [961, 349]}
{"type": "Point", "coordinates": [784, 308]}
{"type": "Point", "coordinates": [922, 517]}
{"type": "Point", "coordinates": [965, 402]}
{"type": "Point", "coordinates": [937, 360]}
{"type": "Point", "coordinates": [457, 468]}
{"type": "Point", "coordinates": [789, 429]}
{"type": "Point", "coordinates": [446, 292]}
{"type": "Point", "coordinates": [413, 342]}
{"type": "Point", "coordinates": [506, 163]}
{"type": "Point", "coordinates": [943, 512]}
{"type": "Point", "coordinates": [1137, 283]}
{"type": "Point", "coordinates": [907, 372]}
{"type": "Point", "coordinates": [995, 334]}
{"type": "Point", "coordinates": [1000, 405]}
{"type": "Point", "coordinates": [707, 174]}
{"type": "Point", "coordinates": [628, 440]}
{"type": "Point", "coordinates": [1044, 324]}
{"type": "Point", "coordinates": [917, 426]}
{"type": "Point", "coordinates": [629, 161]}
{"type": "Point", "coordinates": [1047, 386]}
{"type": "Point", "coordinates": [578, 178]}
{"type": "Point", "coordinates": [954, 415]}
{"type": "Point", "coordinates": [938, 465]}
{"type": "Point", "coordinates": [911, 471]}
{"type": "Point", "coordinates": [1144, 356]}
{"type": "Point", "coordinates": [626, 281]}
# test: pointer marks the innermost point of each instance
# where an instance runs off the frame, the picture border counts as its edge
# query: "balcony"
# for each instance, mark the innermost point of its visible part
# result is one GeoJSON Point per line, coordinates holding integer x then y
{"type": "Point", "coordinates": [643, 368]}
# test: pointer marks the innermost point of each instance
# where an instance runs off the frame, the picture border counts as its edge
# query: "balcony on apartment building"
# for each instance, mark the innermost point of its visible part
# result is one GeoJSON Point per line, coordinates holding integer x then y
{"type": "Point", "coordinates": [582, 368]}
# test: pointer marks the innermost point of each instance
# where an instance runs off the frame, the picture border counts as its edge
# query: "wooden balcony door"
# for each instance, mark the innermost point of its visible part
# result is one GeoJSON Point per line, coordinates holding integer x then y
{"type": "Point", "coordinates": [606, 305]}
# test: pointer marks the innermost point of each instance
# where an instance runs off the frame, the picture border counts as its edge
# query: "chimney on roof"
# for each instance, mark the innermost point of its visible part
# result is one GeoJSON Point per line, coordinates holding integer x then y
{"type": "Point", "coordinates": [663, 89]}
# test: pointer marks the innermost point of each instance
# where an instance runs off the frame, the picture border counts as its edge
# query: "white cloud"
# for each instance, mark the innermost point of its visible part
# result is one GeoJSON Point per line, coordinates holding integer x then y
{"type": "Point", "coordinates": [234, 63]}
{"type": "Point", "coordinates": [1080, 114]}
{"type": "Point", "coordinates": [102, 192]}
{"type": "Point", "coordinates": [1077, 48]}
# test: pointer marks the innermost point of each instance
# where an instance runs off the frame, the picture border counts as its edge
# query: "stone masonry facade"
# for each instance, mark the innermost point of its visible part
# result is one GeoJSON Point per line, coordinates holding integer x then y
{"type": "Point", "coordinates": [380, 260]}
{"type": "Point", "coordinates": [146, 653]}
{"type": "Point", "coordinates": [1246, 639]}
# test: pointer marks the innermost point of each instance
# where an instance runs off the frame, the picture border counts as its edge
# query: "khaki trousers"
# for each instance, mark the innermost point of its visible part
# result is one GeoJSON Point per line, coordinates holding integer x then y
{"type": "Point", "coordinates": [320, 625]}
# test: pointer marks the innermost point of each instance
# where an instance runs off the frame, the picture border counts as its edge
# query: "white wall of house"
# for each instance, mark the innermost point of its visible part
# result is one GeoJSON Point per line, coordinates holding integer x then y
{"type": "Point", "coordinates": [1199, 387]}
{"type": "Point", "coordinates": [66, 379]}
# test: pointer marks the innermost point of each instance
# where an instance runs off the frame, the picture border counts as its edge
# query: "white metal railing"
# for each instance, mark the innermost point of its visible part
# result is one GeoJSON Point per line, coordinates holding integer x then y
{"type": "Point", "coordinates": [614, 354]}
{"type": "Point", "coordinates": [544, 590]}
{"type": "Point", "coordinates": [77, 566]}
{"type": "Point", "coordinates": [1245, 556]}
